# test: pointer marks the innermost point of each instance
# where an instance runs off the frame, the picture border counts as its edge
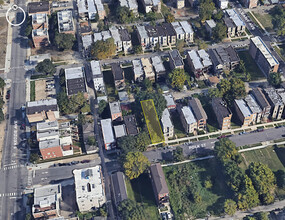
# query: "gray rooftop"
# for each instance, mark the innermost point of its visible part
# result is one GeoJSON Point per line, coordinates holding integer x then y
{"type": "Point", "coordinates": [252, 104]}
{"type": "Point", "coordinates": [188, 115]}
{"type": "Point", "coordinates": [49, 143]}
{"type": "Point", "coordinates": [211, 23]}
{"type": "Point", "coordinates": [74, 73]}
{"type": "Point", "coordinates": [235, 17]}
{"type": "Point", "coordinates": [107, 131]}
{"type": "Point", "coordinates": [157, 64]}
{"type": "Point", "coordinates": [186, 27]}
{"type": "Point", "coordinates": [178, 29]}
{"type": "Point", "coordinates": [47, 125]}
{"type": "Point", "coordinates": [115, 107]}
{"type": "Point", "coordinates": [96, 68]}
{"type": "Point", "coordinates": [142, 31]}
{"type": "Point", "coordinates": [138, 68]}
{"type": "Point", "coordinates": [120, 131]}
{"type": "Point", "coordinates": [245, 110]}
{"type": "Point", "coordinates": [87, 40]}
{"type": "Point", "coordinates": [273, 96]}
{"type": "Point", "coordinates": [120, 191]}
{"type": "Point", "coordinates": [165, 119]}
{"type": "Point", "coordinates": [177, 59]}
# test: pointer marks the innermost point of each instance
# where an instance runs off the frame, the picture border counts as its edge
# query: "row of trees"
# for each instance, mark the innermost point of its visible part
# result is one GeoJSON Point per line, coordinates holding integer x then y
{"type": "Point", "coordinates": [250, 188]}
{"type": "Point", "coordinates": [229, 89]}
{"type": "Point", "coordinates": [2, 85]}
{"type": "Point", "coordinates": [101, 49]}
{"type": "Point", "coordinates": [278, 19]}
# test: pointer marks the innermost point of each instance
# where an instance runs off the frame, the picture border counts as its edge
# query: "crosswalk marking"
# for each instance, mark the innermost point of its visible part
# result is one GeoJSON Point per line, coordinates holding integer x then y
{"type": "Point", "coordinates": [13, 194]}
{"type": "Point", "coordinates": [13, 167]}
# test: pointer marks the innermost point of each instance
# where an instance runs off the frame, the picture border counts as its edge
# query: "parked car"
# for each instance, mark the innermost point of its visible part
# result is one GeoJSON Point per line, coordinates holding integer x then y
{"type": "Point", "coordinates": [222, 136]}
{"type": "Point", "coordinates": [85, 161]}
{"type": "Point", "coordinates": [260, 130]}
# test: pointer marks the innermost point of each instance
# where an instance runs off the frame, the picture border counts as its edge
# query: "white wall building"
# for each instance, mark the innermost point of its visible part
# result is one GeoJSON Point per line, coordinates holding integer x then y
{"type": "Point", "coordinates": [89, 188]}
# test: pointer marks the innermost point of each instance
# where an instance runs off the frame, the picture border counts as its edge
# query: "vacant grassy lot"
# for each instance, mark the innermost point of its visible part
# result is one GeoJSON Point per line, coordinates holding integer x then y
{"type": "Point", "coordinates": [266, 155]}
{"type": "Point", "coordinates": [190, 195]}
{"type": "Point", "coordinates": [32, 91]}
{"type": "Point", "coordinates": [265, 20]}
{"type": "Point", "coordinates": [280, 50]}
{"type": "Point", "coordinates": [3, 41]}
{"type": "Point", "coordinates": [178, 127]}
{"type": "Point", "coordinates": [140, 190]}
{"type": "Point", "coordinates": [152, 121]}
{"type": "Point", "coordinates": [110, 86]}
{"type": "Point", "coordinates": [251, 66]}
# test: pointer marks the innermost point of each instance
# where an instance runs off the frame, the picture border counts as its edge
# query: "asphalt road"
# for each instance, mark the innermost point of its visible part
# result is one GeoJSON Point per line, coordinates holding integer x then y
{"type": "Point", "coordinates": [208, 145]}
{"type": "Point", "coordinates": [13, 174]}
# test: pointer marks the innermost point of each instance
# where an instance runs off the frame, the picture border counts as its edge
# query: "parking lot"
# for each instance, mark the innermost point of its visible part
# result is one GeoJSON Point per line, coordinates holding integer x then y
{"type": "Point", "coordinates": [44, 89]}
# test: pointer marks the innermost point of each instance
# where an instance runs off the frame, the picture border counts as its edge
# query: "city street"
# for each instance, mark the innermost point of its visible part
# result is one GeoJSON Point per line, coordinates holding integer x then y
{"type": "Point", "coordinates": [14, 177]}
{"type": "Point", "coordinates": [208, 145]}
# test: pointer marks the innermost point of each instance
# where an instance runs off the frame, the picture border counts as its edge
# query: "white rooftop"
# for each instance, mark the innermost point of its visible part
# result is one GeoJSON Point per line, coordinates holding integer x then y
{"type": "Point", "coordinates": [107, 131]}
{"type": "Point", "coordinates": [97, 36]}
{"type": "Point", "coordinates": [87, 40]}
{"type": "Point", "coordinates": [48, 193]}
{"type": "Point", "coordinates": [115, 34]}
{"type": "Point", "coordinates": [157, 64]}
{"type": "Point", "coordinates": [243, 107]}
{"type": "Point", "coordinates": [178, 29]}
{"type": "Point", "coordinates": [74, 73]}
{"type": "Point", "coordinates": [138, 68]}
{"type": "Point", "coordinates": [120, 131]}
{"type": "Point", "coordinates": [95, 67]}
{"type": "Point", "coordinates": [165, 119]}
{"type": "Point", "coordinates": [265, 51]}
{"type": "Point", "coordinates": [42, 102]}
{"type": "Point", "coordinates": [195, 60]}
{"type": "Point", "coordinates": [205, 58]}
{"type": "Point", "coordinates": [211, 23]}
{"type": "Point", "coordinates": [47, 125]}
{"type": "Point", "coordinates": [235, 17]}
{"type": "Point", "coordinates": [106, 35]}
{"type": "Point", "coordinates": [142, 31]}
{"type": "Point", "coordinates": [188, 115]}
{"type": "Point", "coordinates": [252, 104]}
{"type": "Point", "coordinates": [89, 188]}
{"type": "Point", "coordinates": [169, 100]}
{"type": "Point", "coordinates": [124, 3]}
{"type": "Point", "coordinates": [186, 26]}
{"type": "Point", "coordinates": [115, 107]}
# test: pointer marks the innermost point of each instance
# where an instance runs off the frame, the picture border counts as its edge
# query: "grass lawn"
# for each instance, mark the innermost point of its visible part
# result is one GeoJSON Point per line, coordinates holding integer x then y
{"type": "Point", "coordinates": [266, 155]}
{"type": "Point", "coordinates": [251, 66]}
{"type": "Point", "coordinates": [254, 21]}
{"type": "Point", "coordinates": [32, 91]}
{"type": "Point", "coordinates": [152, 122]}
{"type": "Point", "coordinates": [3, 40]}
{"type": "Point", "coordinates": [265, 20]}
{"type": "Point", "coordinates": [140, 190]}
{"type": "Point", "coordinates": [110, 86]}
{"type": "Point", "coordinates": [280, 50]}
{"type": "Point", "coordinates": [187, 182]}
{"type": "Point", "coordinates": [178, 127]}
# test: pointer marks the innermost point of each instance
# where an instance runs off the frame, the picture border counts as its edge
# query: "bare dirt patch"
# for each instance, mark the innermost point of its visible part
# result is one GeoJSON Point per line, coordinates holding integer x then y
{"type": "Point", "coordinates": [3, 41]}
{"type": "Point", "coordinates": [40, 89]}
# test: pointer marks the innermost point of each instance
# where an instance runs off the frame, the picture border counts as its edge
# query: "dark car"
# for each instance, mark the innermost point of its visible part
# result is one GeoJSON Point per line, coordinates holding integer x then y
{"type": "Point", "coordinates": [8, 96]}
{"type": "Point", "coordinates": [85, 161]}
{"type": "Point", "coordinates": [222, 136]}
{"type": "Point", "coordinates": [260, 129]}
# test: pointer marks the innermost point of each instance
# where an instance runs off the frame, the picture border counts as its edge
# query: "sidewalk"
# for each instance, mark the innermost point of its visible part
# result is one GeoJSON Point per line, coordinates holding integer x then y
{"type": "Point", "coordinates": [46, 165]}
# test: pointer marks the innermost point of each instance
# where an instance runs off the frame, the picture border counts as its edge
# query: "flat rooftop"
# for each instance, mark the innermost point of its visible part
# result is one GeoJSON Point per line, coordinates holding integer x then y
{"type": "Point", "coordinates": [188, 115]}
{"type": "Point", "coordinates": [74, 73]}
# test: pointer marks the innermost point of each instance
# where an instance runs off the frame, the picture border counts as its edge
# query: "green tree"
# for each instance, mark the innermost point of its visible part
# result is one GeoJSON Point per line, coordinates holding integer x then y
{"type": "Point", "coordinates": [178, 154]}
{"type": "Point", "coordinates": [230, 207]}
{"type": "Point", "coordinates": [130, 210]}
{"type": "Point", "coordinates": [125, 15]}
{"type": "Point", "coordinates": [135, 164]}
{"type": "Point", "coordinates": [226, 150]}
{"type": "Point", "coordinates": [34, 157]}
{"type": "Point", "coordinates": [206, 9]}
{"type": "Point", "coordinates": [263, 180]}
{"type": "Point", "coordinates": [151, 16]}
{"type": "Point", "coordinates": [1, 2]}
{"type": "Point", "coordinates": [138, 49]}
{"type": "Point", "coordinates": [28, 215]}
{"type": "Point", "coordinates": [157, 47]}
{"type": "Point", "coordinates": [180, 45]}
{"type": "Point", "coordinates": [2, 83]}
{"type": "Point", "coordinates": [278, 19]}
{"type": "Point", "coordinates": [64, 41]}
{"type": "Point", "coordinates": [219, 15]}
{"type": "Point", "coordinates": [177, 78]}
{"type": "Point", "coordinates": [28, 30]}
{"type": "Point", "coordinates": [91, 140]}
{"type": "Point", "coordinates": [81, 119]}
{"type": "Point", "coordinates": [101, 49]}
{"type": "Point", "coordinates": [1, 115]}
{"type": "Point", "coordinates": [46, 66]}
{"type": "Point", "coordinates": [169, 18]}
{"type": "Point", "coordinates": [102, 106]}
{"type": "Point", "coordinates": [142, 141]}
{"type": "Point", "coordinates": [261, 216]}
{"type": "Point", "coordinates": [85, 108]}
{"type": "Point", "coordinates": [219, 32]}
{"type": "Point", "coordinates": [202, 44]}
{"type": "Point", "coordinates": [275, 79]}
{"type": "Point", "coordinates": [127, 144]}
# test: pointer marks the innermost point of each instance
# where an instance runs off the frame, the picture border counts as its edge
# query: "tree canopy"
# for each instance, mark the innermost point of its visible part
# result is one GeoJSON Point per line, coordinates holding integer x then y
{"type": "Point", "coordinates": [2, 83]}
{"type": "Point", "coordinates": [177, 78]}
{"type": "Point", "coordinates": [46, 66]}
{"type": "Point", "coordinates": [230, 207]}
{"type": "Point", "coordinates": [64, 41]}
{"type": "Point", "coordinates": [130, 210]}
{"type": "Point", "coordinates": [169, 18]}
{"type": "Point", "coordinates": [138, 49]}
{"type": "Point", "coordinates": [226, 150]}
{"type": "Point", "coordinates": [275, 79]}
{"type": "Point", "coordinates": [219, 32]}
{"type": "Point", "coordinates": [206, 9]}
{"type": "Point", "coordinates": [135, 164]}
{"type": "Point", "coordinates": [101, 49]}
{"type": "Point", "coordinates": [178, 154]}
{"type": "Point", "coordinates": [263, 180]}
{"type": "Point", "coordinates": [125, 15]}
{"type": "Point", "coordinates": [278, 19]}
